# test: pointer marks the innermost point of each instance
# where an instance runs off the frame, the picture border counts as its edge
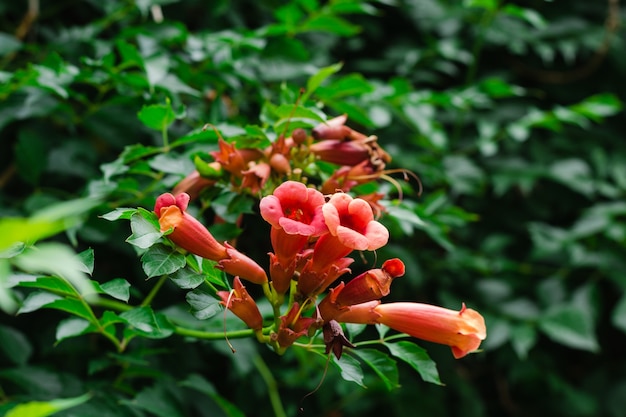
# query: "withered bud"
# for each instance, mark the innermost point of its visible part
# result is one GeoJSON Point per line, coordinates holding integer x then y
{"type": "Point", "coordinates": [334, 339]}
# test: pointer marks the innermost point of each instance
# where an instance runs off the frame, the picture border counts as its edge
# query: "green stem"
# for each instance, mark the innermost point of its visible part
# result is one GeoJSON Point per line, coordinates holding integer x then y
{"type": "Point", "coordinates": [153, 292]}
{"type": "Point", "coordinates": [166, 142]}
{"type": "Point", "coordinates": [201, 334]}
{"type": "Point", "coordinates": [112, 304]}
{"type": "Point", "coordinates": [272, 386]}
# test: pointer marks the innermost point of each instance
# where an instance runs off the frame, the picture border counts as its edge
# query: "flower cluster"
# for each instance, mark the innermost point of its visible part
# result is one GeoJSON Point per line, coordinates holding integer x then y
{"type": "Point", "coordinates": [313, 230]}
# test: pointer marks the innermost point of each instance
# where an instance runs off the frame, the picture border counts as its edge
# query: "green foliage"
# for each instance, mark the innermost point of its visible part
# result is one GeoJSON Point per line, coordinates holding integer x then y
{"type": "Point", "coordinates": [509, 113]}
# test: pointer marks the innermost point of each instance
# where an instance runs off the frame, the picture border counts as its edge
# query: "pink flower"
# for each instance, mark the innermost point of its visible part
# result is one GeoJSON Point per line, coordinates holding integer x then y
{"type": "Point", "coordinates": [462, 330]}
{"type": "Point", "coordinates": [295, 208]}
{"type": "Point", "coordinates": [352, 222]}
{"type": "Point", "coordinates": [242, 305]}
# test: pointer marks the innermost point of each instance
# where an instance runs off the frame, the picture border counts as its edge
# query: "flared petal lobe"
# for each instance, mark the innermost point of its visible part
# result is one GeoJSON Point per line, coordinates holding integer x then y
{"type": "Point", "coordinates": [187, 232]}
{"type": "Point", "coordinates": [352, 222]}
{"type": "Point", "coordinates": [295, 208]}
{"type": "Point", "coordinates": [462, 330]}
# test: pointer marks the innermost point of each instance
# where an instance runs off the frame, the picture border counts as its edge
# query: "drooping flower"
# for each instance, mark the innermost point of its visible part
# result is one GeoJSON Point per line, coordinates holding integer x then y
{"type": "Point", "coordinates": [293, 326]}
{"type": "Point", "coordinates": [255, 177]}
{"type": "Point", "coordinates": [187, 231]}
{"type": "Point", "coordinates": [369, 286]}
{"type": "Point", "coordinates": [236, 263]}
{"type": "Point", "coordinates": [341, 152]}
{"type": "Point", "coordinates": [352, 222]}
{"type": "Point", "coordinates": [462, 330]}
{"type": "Point", "coordinates": [242, 305]}
{"type": "Point", "coordinates": [192, 184]}
{"type": "Point", "coordinates": [191, 235]}
{"type": "Point", "coordinates": [334, 339]}
{"type": "Point", "coordinates": [334, 128]}
{"type": "Point", "coordinates": [229, 157]}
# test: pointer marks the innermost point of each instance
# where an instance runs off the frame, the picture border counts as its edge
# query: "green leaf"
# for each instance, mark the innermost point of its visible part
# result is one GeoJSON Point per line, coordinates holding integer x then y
{"type": "Point", "coordinates": [350, 369]}
{"type": "Point", "coordinates": [9, 44]}
{"type": "Point", "coordinates": [569, 326]}
{"type": "Point", "coordinates": [37, 300]}
{"type": "Point", "coordinates": [598, 106]}
{"type": "Point", "coordinates": [418, 358]}
{"type": "Point", "coordinates": [157, 116]}
{"type": "Point", "coordinates": [187, 279]}
{"type": "Point", "coordinates": [54, 284]}
{"type": "Point", "coordinates": [330, 24]}
{"type": "Point", "coordinates": [72, 306]}
{"type": "Point", "coordinates": [56, 259]}
{"type": "Point", "coordinates": [618, 317]}
{"type": "Point", "coordinates": [158, 401]}
{"type": "Point", "coordinates": [15, 345]}
{"type": "Point", "coordinates": [161, 260]}
{"type": "Point", "coordinates": [45, 223]}
{"type": "Point", "coordinates": [117, 288]}
{"type": "Point", "coordinates": [318, 78]}
{"type": "Point", "coordinates": [382, 364]}
{"type": "Point", "coordinates": [87, 259]}
{"type": "Point", "coordinates": [199, 383]}
{"type": "Point", "coordinates": [47, 408]}
{"type": "Point", "coordinates": [119, 213]}
{"type": "Point", "coordinates": [71, 327]}
{"type": "Point", "coordinates": [144, 233]}
{"type": "Point", "coordinates": [148, 324]}
{"type": "Point", "coordinates": [203, 305]}
{"type": "Point", "coordinates": [523, 338]}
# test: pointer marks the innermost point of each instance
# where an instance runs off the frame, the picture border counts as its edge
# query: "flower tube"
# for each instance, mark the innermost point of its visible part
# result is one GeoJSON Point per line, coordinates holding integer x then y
{"type": "Point", "coordinates": [462, 330]}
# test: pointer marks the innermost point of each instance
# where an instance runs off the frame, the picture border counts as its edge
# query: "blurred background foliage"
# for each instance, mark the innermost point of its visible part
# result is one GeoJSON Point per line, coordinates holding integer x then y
{"type": "Point", "coordinates": [508, 111]}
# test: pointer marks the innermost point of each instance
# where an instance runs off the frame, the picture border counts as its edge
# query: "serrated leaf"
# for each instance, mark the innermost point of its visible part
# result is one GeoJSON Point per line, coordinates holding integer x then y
{"type": "Point", "coordinates": [187, 279]}
{"type": "Point", "coordinates": [117, 288]}
{"type": "Point", "coordinates": [144, 234]}
{"type": "Point", "coordinates": [71, 327]}
{"type": "Point", "coordinates": [161, 260]}
{"type": "Point", "coordinates": [569, 326]}
{"type": "Point", "coordinates": [87, 259]}
{"type": "Point", "coordinates": [417, 358]}
{"type": "Point", "coordinates": [148, 324]}
{"type": "Point", "coordinates": [350, 369]}
{"type": "Point", "coordinates": [47, 408]}
{"type": "Point", "coordinates": [382, 364]}
{"type": "Point", "coordinates": [204, 305]}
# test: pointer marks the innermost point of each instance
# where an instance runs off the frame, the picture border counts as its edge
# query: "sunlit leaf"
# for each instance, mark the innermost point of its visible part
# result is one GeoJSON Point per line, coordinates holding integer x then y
{"type": "Point", "coordinates": [47, 408]}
